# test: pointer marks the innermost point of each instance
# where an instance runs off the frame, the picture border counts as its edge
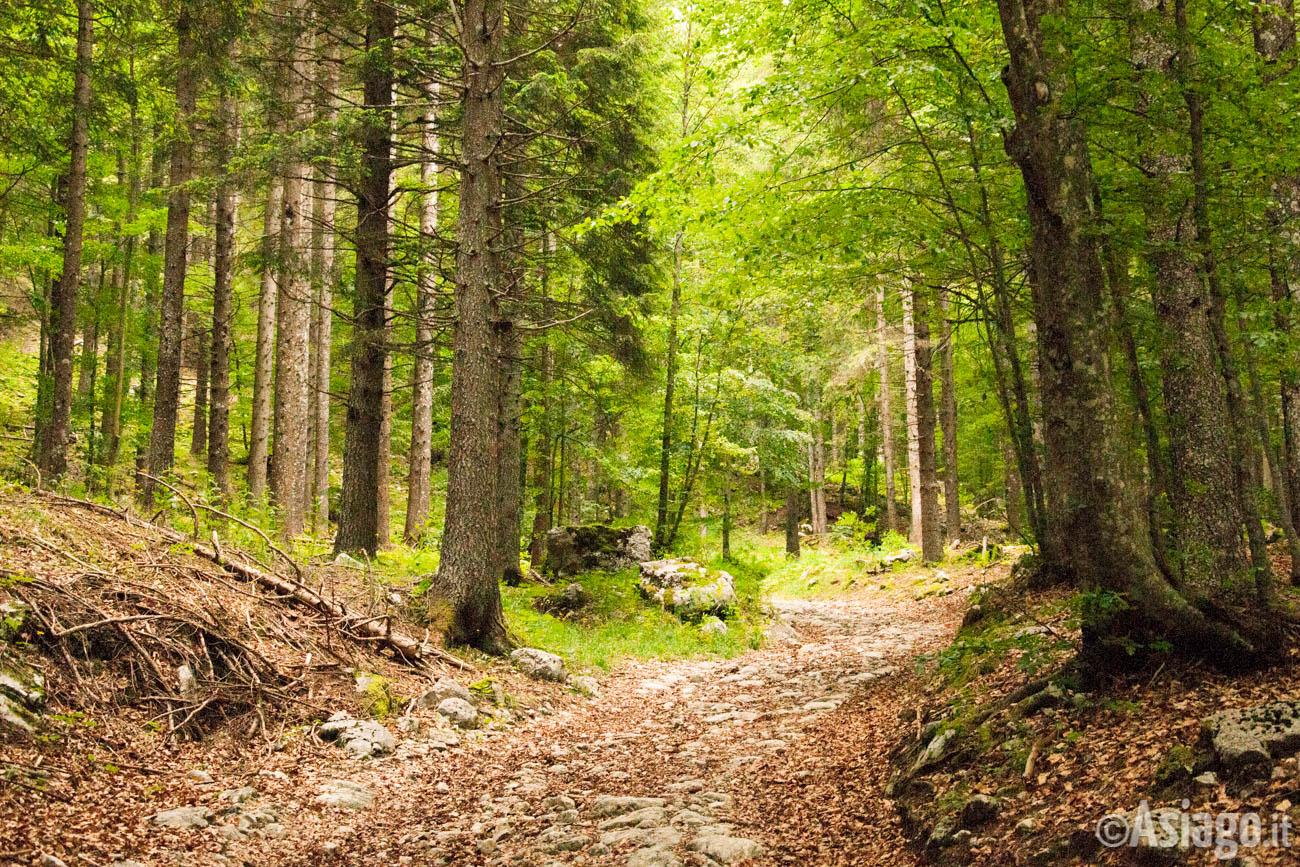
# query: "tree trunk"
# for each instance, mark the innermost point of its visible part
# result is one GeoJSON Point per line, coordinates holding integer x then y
{"type": "Point", "coordinates": [149, 327]}
{"type": "Point", "coordinates": [293, 323]}
{"type": "Point", "coordinates": [89, 358]}
{"type": "Point", "coordinates": [358, 503]}
{"type": "Point", "coordinates": [466, 577]}
{"type": "Point", "coordinates": [948, 422]}
{"type": "Point", "coordinates": [51, 446]}
{"type": "Point", "coordinates": [886, 410]}
{"type": "Point", "coordinates": [924, 483]}
{"type": "Point", "coordinates": [383, 480]}
{"type": "Point", "coordinates": [259, 424]}
{"type": "Point", "coordinates": [793, 496]}
{"type": "Point", "coordinates": [223, 300]}
{"type": "Point", "coordinates": [162, 436]}
{"type": "Point", "coordinates": [1094, 508]}
{"type": "Point", "coordinates": [115, 390]}
{"type": "Point", "coordinates": [1207, 511]}
{"type": "Point", "coordinates": [420, 459]}
{"type": "Point", "coordinates": [670, 385]}
{"type": "Point", "coordinates": [202, 357]}
{"type": "Point", "coordinates": [726, 514]}
{"type": "Point", "coordinates": [323, 240]}
{"type": "Point", "coordinates": [817, 465]}
{"type": "Point", "coordinates": [544, 453]}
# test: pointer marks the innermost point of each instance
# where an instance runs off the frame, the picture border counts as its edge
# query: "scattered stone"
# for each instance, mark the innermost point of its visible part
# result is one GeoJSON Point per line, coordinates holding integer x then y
{"type": "Point", "coordinates": [1246, 740]}
{"type": "Point", "coordinates": [461, 713]}
{"type": "Point", "coordinates": [1050, 696]}
{"type": "Point", "coordinates": [687, 588]}
{"type": "Point", "coordinates": [1209, 778]}
{"type": "Point", "coordinates": [444, 689]}
{"type": "Point", "coordinates": [408, 724]}
{"type": "Point", "coordinates": [727, 850]}
{"type": "Point", "coordinates": [558, 803]}
{"type": "Point", "coordinates": [713, 627]}
{"type": "Point", "coordinates": [346, 795]}
{"type": "Point", "coordinates": [574, 549]}
{"type": "Point", "coordinates": [183, 817]}
{"type": "Point", "coordinates": [13, 619]}
{"type": "Point", "coordinates": [586, 684]}
{"type": "Point", "coordinates": [22, 696]}
{"type": "Point", "coordinates": [198, 776]}
{"type": "Point", "coordinates": [653, 856]}
{"type": "Point", "coordinates": [934, 751]}
{"type": "Point", "coordinates": [359, 738]}
{"type": "Point", "coordinates": [819, 705]}
{"type": "Point", "coordinates": [646, 817]}
{"type": "Point", "coordinates": [977, 810]}
{"type": "Point", "coordinates": [615, 805]}
{"type": "Point", "coordinates": [973, 615]}
{"type": "Point", "coordinates": [557, 839]}
{"type": "Point", "coordinates": [238, 796]}
{"type": "Point", "coordinates": [348, 562]}
{"type": "Point", "coordinates": [48, 860]}
{"type": "Point", "coordinates": [538, 664]}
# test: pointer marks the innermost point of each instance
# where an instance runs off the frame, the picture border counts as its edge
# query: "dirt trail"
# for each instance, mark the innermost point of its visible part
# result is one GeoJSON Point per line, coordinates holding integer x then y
{"type": "Point", "coordinates": [775, 757]}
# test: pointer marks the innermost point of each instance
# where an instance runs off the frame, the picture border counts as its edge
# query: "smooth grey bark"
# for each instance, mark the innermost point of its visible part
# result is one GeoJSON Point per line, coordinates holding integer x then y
{"type": "Point", "coordinates": [948, 420]}
{"type": "Point", "coordinates": [223, 298]}
{"type": "Point", "coordinates": [886, 410]}
{"type": "Point", "coordinates": [324, 276]}
{"type": "Point", "coordinates": [924, 484]}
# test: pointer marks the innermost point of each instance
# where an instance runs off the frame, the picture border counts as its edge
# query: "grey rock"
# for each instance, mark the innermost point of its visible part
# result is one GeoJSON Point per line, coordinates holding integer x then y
{"type": "Point", "coordinates": [713, 627]}
{"type": "Point", "coordinates": [359, 738]}
{"type": "Point", "coordinates": [687, 588]}
{"type": "Point", "coordinates": [690, 818]}
{"type": "Point", "coordinates": [538, 664]}
{"type": "Point", "coordinates": [238, 796]}
{"type": "Point", "coordinates": [183, 817]}
{"type": "Point", "coordinates": [461, 713]}
{"type": "Point", "coordinates": [934, 750]}
{"type": "Point", "coordinates": [558, 803]}
{"type": "Point", "coordinates": [574, 549]}
{"type": "Point", "coordinates": [616, 805]}
{"type": "Point", "coordinates": [566, 817]}
{"type": "Point", "coordinates": [653, 856]}
{"type": "Point", "coordinates": [231, 833]}
{"type": "Point", "coordinates": [557, 839]}
{"type": "Point", "coordinates": [47, 860]}
{"type": "Point", "coordinates": [444, 689]}
{"type": "Point", "coordinates": [977, 810]}
{"type": "Point", "coordinates": [275, 831]}
{"type": "Point", "coordinates": [646, 817]}
{"type": "Point", "coordinates": [22, 696]}
{"type": "Point", "coordinates": [727, 850]}
{"type": "Point", "coordinates": [1246, 740]}
{"type": "Point", "coordinates": [346, 795]}
{"type": "Point", "coordinates": [586, 684]}
{"type": "Point", "coordinates": [199, 776]}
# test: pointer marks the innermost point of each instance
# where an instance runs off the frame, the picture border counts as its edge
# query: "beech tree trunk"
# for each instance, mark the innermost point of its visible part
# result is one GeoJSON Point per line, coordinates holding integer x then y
{"type": "Point", "coordinates": [117, 382]}
{"type": "Point", "coordinates": [817, 464]}
{"type": "Point", "coordinates": [467, 578]}
{"type": "Point", "coordinates": [293, 324]}
{"type": "Point", "coordinates": [793, 496]}
{"type": "Point", "coordinates": [223, 301]}
{"type": "Point", "coordinates": [54, 432]}
{"type": "Point", "coordinates": [886, 411]}
{"type": "Point", "coordinates": [259, 425]}
{"type": "Point", "coordinates": [358, 498]}
{"type": "Point", "coordinates": [162, 436]}
{"type": "Point", "coordinates": [948, 421]}
{"type": "Point", "coordinates": [924, 484]}
{"type": "Point", "coordinates": [670, 386]}
{"type": "Point", "coordinates": [1093, 501]}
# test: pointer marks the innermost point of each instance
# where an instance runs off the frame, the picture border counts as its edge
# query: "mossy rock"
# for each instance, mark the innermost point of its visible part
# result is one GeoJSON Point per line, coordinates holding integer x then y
{"type": "Point", "coordinates": [377, 695]}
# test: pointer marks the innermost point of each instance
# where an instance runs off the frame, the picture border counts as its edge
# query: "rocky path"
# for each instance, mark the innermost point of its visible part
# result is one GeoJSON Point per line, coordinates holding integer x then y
{"type": "Point", "coordinates": [775, 757]}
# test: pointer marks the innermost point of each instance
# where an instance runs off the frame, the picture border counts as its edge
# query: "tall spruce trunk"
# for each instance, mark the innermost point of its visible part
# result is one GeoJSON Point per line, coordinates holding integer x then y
{"type": "Point", "coordinates": [54, 432]}
{"type": "Point", "coordinates": [323, 269]}
{"type": "Point", "coordinates": [467, 577]}
{"type": "Point", "coordinates": [886, 411]}
{"type": "Point", "coordinates": [1093, 501]}
{"type": "Point", "coordinates": [293, 323]}
{"type": "Point", "coordinates": [420, 459]}
{"type": "Point", "coordinates": [171, 306]}
{"type": "Point", "coordinates": [202, 358]}
{"type": "Point", "coordinates": [259, 424]}
{"type": "Point", "coordinates": [793, 496]}
{"type": "Point", "coordinates": [358, 498]}
{"type": "Point", "coordinates": [117, 384]}
{"type": "Point", "coordinates": [948, 420]}
{"type": "Point", "coordinates": [670, 387]}
{"type": "Point", "coordinates": [223, 300]}
{"type": "Point", "coordinates": [545, 439]}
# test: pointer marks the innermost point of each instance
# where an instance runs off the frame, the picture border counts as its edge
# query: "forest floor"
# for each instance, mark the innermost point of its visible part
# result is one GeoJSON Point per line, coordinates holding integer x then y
{"type": "Point", "coordinates": [797, 752]}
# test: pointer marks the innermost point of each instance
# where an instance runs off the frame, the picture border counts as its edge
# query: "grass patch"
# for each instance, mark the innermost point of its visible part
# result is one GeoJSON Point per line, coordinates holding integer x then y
{"type": "Point", "coordinates": [618, 624]}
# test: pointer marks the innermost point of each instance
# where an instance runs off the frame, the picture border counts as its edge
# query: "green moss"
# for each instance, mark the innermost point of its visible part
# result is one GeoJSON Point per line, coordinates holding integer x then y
{"type": "Point", "coordinates": [377, 696]}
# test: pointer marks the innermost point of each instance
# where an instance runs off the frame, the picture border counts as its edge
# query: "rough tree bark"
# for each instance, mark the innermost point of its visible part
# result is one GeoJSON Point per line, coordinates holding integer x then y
{"type": "Point", "coordinates": [358, 504]}
{"type": "Point", "coordinates": [293, 320]}
{"type": "Point", "coordinates": [324, 277]}
{"type": "Point", "coordinates": [467, 576]}
{"type": "Point", "coordinates": [171, 307]}
{"type": "Point", "coordinates": [793, 496]}
{"type": "Point", "coordinates": [202, 358]}
{"type": "Point", "coordinates": [53, 433]}
{"type": "Point", "coordinates": [223, 307]}
{"type": "Point", "coordinates": [259, 425]}
{"type": "Point", "coordinates": [1094, 505]}
{"type": "Point", "coordinates": [116, 386]}
{"type": "Point", "coordinates": [420, 459]}
{"type": "Point", "coordinates": [670, 386]}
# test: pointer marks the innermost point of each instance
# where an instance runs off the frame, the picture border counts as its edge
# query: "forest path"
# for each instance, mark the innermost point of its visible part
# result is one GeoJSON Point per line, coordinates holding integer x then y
{"type": "Point", "coordinates": [778, 756]}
